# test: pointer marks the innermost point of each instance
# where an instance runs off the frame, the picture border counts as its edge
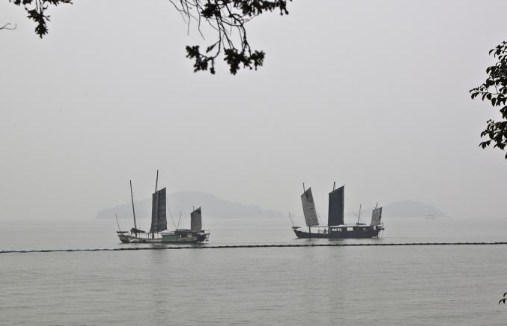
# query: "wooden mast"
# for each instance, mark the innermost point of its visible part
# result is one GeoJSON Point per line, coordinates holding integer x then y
{"type": "Point", "coordinates": [156, 196]}
{"type": "Point", "coordinates": [290, 216]}
{"type": "Point", "coordinates": [179, 219]}
{"type": "Point", "coordinates": [133, 209]}
{"type": "Point", "coordinates": [117, 223]}
{"type": "Point", "coordinates": [156, 182]}
{"type": "Point", "coordinates": [329, 227]}
{"type": "Point", "coordinates": [309, 227]}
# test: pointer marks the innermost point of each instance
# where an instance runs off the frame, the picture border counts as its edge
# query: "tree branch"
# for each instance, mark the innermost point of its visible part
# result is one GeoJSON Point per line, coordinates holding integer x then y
{"type": "Point", "coordinates": [8, 27]}
{"type": "Point", "coordinates": [228, 18]}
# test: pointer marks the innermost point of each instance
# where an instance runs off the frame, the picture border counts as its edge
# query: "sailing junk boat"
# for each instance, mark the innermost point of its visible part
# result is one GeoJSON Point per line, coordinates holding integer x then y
{"type": "Point", "coordinates": [336, 227]}
{"type": "Point", "coordinates": [158, 230]}
{"type": "Point", "coordinates": [195, 235]}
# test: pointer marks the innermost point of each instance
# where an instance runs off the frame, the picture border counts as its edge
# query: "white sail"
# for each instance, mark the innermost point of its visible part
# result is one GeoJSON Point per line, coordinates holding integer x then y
{"type": "Point", "coordinates": [196, 220]}
{"type": "Point", "coordinates": [309, 208]}
{"type": "Point", "coordinates": [376, 216]}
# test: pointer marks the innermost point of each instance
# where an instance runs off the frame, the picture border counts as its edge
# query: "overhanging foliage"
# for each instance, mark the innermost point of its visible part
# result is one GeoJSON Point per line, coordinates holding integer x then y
{"type": "Point", "coordinates": [228, 18]}
{"type": "Point", "coordinates": [494, 90]}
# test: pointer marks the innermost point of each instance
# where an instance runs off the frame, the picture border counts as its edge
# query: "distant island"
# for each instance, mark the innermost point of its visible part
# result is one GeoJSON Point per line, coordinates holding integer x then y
{"type": "Point", "coordinates": [216, 207]}
{"type": "Point", "coordinates": [410, 208]}
{"type": "Point", "coordinates": [213, 207]}
{"type": "Point", "coordinates": [407, 208]}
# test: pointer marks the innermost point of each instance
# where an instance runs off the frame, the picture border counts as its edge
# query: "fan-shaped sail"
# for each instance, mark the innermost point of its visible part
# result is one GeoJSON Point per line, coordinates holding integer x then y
{"type": "Point", "coordinates": [158, 209]}
{"type": "Point", "coordinates": [309, 208]}
{"type": "Point", "coordinates": [336, 206]}
{"type": "Point", "coordinates": [376, 216]}
{"type": "Point", "coordinates": [196, 220]}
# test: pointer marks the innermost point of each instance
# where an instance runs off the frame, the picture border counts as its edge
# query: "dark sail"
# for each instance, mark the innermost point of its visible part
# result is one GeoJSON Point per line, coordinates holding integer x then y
{"type": "Point", "coordinates": [158, 208]}
{"type": "Point", "coordinates": [336, 206]}
{"type": "Point", "coordinates": [309, 208]}
{"type": "Point", "coordinates": [376, 216]}
{"type": "Point", "coordinates": [196, 220]}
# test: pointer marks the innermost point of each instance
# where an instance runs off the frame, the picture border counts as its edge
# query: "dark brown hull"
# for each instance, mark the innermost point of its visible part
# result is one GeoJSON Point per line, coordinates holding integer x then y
{"type": "Point", "coordinates": [198, 238]}
{"type": "Point", "coordinates": [360, 233]}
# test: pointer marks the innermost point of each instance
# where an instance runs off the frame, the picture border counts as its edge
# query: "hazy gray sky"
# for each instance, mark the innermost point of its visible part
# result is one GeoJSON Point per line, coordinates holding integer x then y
{"type": "Point", "coordinates": [371, 94]}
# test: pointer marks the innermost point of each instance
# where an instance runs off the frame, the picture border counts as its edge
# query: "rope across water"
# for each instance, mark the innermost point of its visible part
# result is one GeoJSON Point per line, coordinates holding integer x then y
{"type": "Point", "coordinates": [251, 246]}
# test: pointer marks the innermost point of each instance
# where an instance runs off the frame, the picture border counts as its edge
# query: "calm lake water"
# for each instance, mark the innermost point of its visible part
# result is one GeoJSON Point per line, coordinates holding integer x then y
{"type": "Point", "coordinates": [431, 285]}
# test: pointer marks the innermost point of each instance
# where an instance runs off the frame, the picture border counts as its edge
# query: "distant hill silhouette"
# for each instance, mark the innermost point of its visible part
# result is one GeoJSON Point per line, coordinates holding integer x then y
{"type": "Point", "coordinates": [215, 207]}
{"type": "Point", "coordinates": [411, 208]}
{"type": "Point", "coordinates": [407, 208]}
{"type": "Point", "coordinates": [212, 206]}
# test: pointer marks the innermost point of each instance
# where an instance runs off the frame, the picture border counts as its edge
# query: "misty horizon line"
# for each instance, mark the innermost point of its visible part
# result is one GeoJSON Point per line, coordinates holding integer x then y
{"type": "Point", "coordinates": [182, 202]}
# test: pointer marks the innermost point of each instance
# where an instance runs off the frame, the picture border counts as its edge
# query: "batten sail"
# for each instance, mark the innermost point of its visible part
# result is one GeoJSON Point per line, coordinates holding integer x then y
{"type": "Point", "coordinates": [376, 216]}
{"type": "Point", "coordinates": [336, 207]}
{"type": "Point", "coordinates": [158, 212]}
{"type": "Point", "coordinates": [196, 220]}
{"type": "Point", "coordinates": [309, 208]}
